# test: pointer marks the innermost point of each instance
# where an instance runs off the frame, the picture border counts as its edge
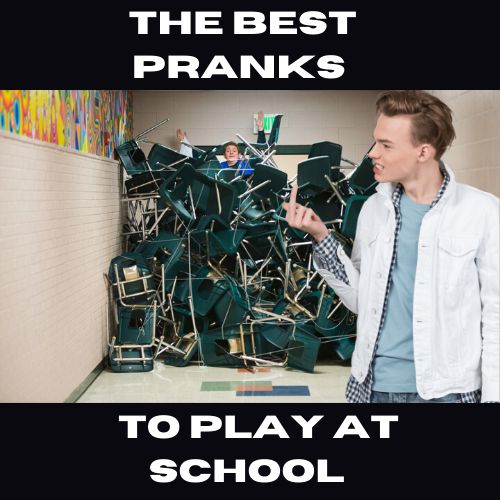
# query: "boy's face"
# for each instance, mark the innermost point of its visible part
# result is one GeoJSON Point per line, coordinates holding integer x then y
{"type": "Point", "coordinates": [395, 157]}
{"type": "Point", "coordinates": [231, 153]}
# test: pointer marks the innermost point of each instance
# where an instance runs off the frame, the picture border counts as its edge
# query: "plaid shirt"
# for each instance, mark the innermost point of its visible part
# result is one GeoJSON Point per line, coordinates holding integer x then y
{"type": "Point", "coordinates": [325, 255]}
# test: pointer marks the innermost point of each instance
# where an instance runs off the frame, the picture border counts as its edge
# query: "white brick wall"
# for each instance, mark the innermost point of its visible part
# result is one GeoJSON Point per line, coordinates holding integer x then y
{"type": "Point", "coordinates": [59, 228]}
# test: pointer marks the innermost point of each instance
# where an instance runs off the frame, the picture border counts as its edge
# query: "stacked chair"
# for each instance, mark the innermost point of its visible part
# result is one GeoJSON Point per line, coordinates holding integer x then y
{"type": "Point", "coordinates": [213, 274]}
{"type": "Point", "coordinates": [133, 292]}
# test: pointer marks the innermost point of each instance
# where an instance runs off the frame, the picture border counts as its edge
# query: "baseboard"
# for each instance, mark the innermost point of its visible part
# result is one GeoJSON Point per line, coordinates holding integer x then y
{"type": "Point", "coordinates": [78, 392]}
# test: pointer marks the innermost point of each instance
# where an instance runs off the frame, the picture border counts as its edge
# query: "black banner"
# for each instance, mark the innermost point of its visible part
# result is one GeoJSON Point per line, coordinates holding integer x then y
{"type": "Point", "coordinates": [293, 45]}
{"type": "Point", "coordinates": [240, 449]}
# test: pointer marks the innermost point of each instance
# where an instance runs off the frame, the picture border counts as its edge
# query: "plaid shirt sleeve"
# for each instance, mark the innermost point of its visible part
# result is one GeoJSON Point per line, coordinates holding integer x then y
{"type": "Point", "coordinates": [325, 256]}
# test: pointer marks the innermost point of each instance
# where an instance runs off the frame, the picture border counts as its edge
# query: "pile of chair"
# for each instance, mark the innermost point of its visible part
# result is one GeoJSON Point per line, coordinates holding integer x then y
{"type": "Point", "coordinates": [212, 273]}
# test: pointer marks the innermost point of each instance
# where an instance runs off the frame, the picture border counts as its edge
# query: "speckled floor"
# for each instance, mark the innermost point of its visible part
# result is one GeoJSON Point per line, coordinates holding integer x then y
{"type": "Point", "coordinates": [202, 384]}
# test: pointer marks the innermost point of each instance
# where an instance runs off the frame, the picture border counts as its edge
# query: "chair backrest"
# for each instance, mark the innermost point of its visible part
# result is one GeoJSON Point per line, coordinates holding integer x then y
{"type": "Point", "coordinates": [227, 174]}
{"type": "Point", "coordinates": [362, 180]}
{"type": "Point", "coordinates": [264, 173]}
{"type": "Point", "coordinates": [275, 130]}
{"type": "Point", "coordinates": [174, 192]}
{"type": "Point", "coordinates": [210, 168]}
{"type": "Point", "coordinates": [211, 196]}
{"type": "Point", "coordinates": [132, 158]}
{"type": "Point", "coordinates": [160, 156]}
{"type": "Point", "coordinates": [351, 213]}
{"type": "Point", "coordinates": [311, 175]}
{"type": "Point", "coordinates": [327, 148]}
{"type": "Point", "coordinates": [146, 182]}
{"type": "Point", "coordinates": [326, 211]}
{"type": "Point", "coordinates": [207, 290]}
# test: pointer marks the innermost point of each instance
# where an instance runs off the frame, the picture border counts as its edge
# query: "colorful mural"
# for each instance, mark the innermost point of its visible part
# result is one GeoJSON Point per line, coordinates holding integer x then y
{"type": "Point", "coordinates": [92, 121]}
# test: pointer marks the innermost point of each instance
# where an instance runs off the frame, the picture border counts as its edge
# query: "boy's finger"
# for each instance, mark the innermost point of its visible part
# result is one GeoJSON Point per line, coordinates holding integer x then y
{"type": "Point", "coordinates": [293, 196]}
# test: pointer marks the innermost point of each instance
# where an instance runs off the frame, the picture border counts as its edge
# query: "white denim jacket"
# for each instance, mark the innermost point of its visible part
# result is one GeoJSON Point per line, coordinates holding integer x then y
{"type": "Point", "coordinates": [456, 298]}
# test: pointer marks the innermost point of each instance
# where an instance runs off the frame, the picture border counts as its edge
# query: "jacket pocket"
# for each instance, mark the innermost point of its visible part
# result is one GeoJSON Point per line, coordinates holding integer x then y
{"type": "Point", "coordinates": [455, 257]}
{"type": "Point", "coordinates": [455, 260]}
{"type": "Point", "coordinates": [458, 246]}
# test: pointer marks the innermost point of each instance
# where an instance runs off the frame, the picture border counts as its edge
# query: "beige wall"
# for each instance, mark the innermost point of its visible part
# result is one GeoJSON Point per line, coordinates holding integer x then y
{"type": "Point", "coordinates": [343, 116]}
{"type": "Point", "coordinates": [475, 154]}
{"type": "Point", "coordinates": [215, 116]}
{"type": "Point", "coordinates": [59, 228]}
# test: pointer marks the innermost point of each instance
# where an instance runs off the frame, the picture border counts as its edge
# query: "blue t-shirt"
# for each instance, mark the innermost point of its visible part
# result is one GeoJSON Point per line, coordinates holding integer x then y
{"type": "Point", "coordinates": [242, 165]}
{"type": "Point", "coordinates": [394, 366]}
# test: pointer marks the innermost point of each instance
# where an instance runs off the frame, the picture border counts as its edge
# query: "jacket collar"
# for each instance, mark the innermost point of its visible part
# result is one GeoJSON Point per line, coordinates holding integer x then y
{"type": "Point", "coordinates": [387, 189]}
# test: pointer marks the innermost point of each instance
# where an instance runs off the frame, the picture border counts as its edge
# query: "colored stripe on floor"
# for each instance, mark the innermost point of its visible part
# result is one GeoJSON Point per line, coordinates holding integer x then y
{"type": "Point", "coordinates": [253, 388]}
{"type": "Point", "coordinates": [279, 390]}
{"type": "Point", "coordinates": [232, 385]}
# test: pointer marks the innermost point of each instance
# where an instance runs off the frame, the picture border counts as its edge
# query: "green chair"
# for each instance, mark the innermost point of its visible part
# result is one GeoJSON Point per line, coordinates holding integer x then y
{"type": "Point", "coordinates": [211, 168]}
{"type": "Point", "coordinates": [233, 306]}
{"type": "Point", "coordinates": [256, 238]}
{"type": "Point", "coordinates": [132, 158]}
{"type": "Point", "coordinates": [131, 280]}
{"type": "Point", "coordinates": [261, 203]}
{"type": "Point", "coordinates": [201, 237]}
{"type": "Point", "coordinates": [272, 179]}
{"type": "Point", "coordinates": [225, 346]}
{"type": "Point", "coordinates": [134, 291]}
{"type": "Point", "coordinates": [226, 242]}
{"type": "Point", "coordinates": [131, 359]}
{"type": "Point", "coordinates": [303, 348]}
{"type": "Point", "coordinates": [207, 290]}
{"type": "Point", "coordinates": [344, 348]}
{"type": "Point", "coordinates": [180, 270]}
{"type": "Point", "coordinates": [215, 236]}
{"type": "Point", "coordinates": [277, 336]}
{"type": "Point", "coordinates": [211, 196]}
{"type": "Point", "coordinates": [323, 325]}
{"type": "Point", "coordinates": [362, 180]}
{"type": "Point", "coordinates": [136, 325]}
{"type": "Point", "coordinates": [327, 212]}
{"type": "Point", "coordinates": [189, 345]}
{"type": "Point", "coordinates": [227, 174]}
{"type": "Point", "coordinates": [273, 135]}
{"type": "Point", "coordinates": [251, 210]}
{"type": "Point", "coordinates": [327, 148]}
{"type": "Point", "coordinates": [145, 183]}
{"type": "Point", "coordinates": [174, 190]}
{"type": "Point", "coordinates": [351, 213]}
{"type": "Point", "coordinates": [311, 176]}
{"type": "Point", "coordinates": [162, 158]}
{"type": "Point", "coordinates": [166, 243]}
{"type": "Point", "coordinates": [339, 329]}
